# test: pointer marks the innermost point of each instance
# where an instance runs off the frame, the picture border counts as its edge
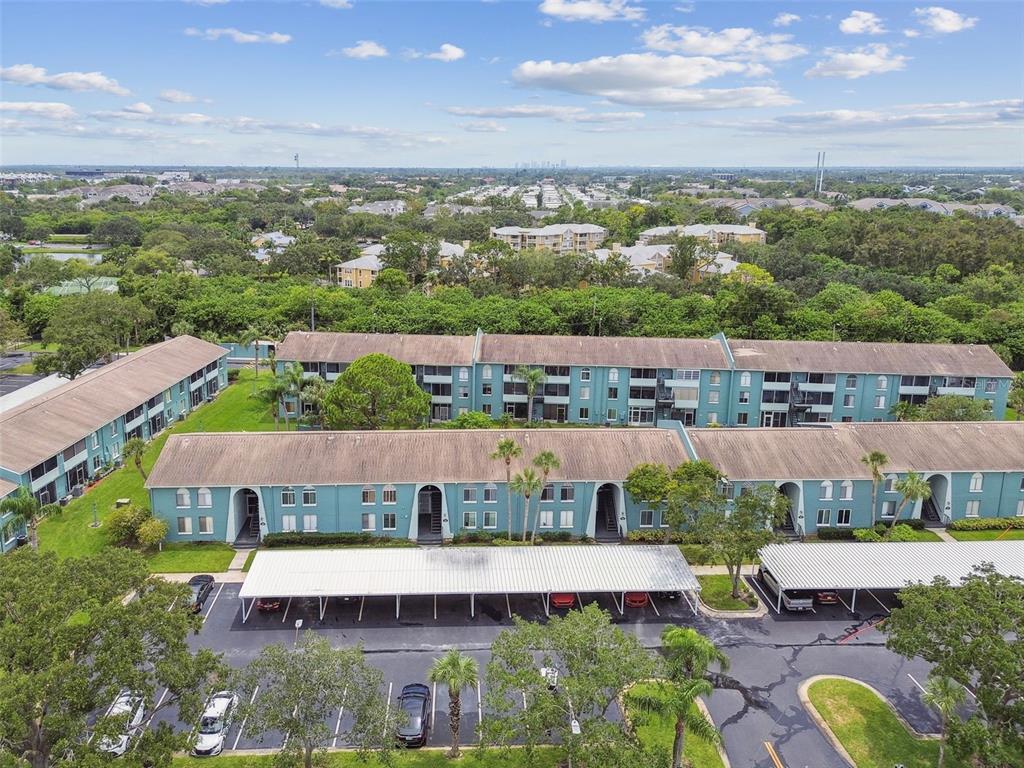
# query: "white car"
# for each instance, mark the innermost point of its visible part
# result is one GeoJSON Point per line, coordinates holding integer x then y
{"type": "Point", "coordinates": [213, 725]}
{"type": "Point", "coordinates": [133, 709]}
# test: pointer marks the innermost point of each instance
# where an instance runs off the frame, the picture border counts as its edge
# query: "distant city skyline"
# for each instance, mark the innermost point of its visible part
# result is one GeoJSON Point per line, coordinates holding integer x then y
{"type": "Point", "coordinates": [614, 83]}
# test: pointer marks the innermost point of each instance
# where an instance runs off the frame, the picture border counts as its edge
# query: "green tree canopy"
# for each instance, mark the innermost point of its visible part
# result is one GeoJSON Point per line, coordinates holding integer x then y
{"type": "Point", "coordinates": [376, 392]}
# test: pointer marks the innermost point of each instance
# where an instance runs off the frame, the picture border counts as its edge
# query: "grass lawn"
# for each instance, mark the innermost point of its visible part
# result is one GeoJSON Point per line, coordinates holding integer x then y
{"type": "Point", "coordinates": [1014, 535]}
{"type": "Point", "coordinates": [420, 758]}
{"type": "Point", "coordinates": [69, 534]}
{"type": "Point", "coordinates": [658, 731]}
{"type": "Point", "coordinates": [926, 535]}
{"type": "Point", "coordinates": [70, 238]}
{"type": "Point", "coordinates": [248, 561]}
{"type": "Point", "coordinates": [23, 369]}
{"type": "Point", "coordinates": [213, 556]}
{"type": "Point", "coordinates": [697, 554]}
{"type": "Point", "coordinates": [716, 592]}
{"type": "Point", "coordinates": [868, 729]}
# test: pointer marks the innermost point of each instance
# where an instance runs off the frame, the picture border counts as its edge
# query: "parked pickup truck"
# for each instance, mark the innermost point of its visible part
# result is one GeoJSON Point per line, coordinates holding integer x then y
{"type": "Point", "coordinates": [792, 600]}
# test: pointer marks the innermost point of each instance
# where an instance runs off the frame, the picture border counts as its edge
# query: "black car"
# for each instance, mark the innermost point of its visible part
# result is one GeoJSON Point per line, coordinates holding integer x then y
{"type": "Point", "coordinates": [415, 702]}
{"type": "Point", "coordinates": [201, 587]}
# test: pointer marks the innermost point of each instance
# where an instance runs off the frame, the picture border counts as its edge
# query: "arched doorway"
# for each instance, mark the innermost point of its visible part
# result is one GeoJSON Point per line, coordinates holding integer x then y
{"type": "Point", "coordinates": [606, 526]}
{"type": "Point", "coordinates": [247, 516]}
{"type": "Point", "coordinates": [428, 519]}
{"type": "Point", "coordinates": [933, 509]}
{"type": "Point", "coordinates": [789, 526]}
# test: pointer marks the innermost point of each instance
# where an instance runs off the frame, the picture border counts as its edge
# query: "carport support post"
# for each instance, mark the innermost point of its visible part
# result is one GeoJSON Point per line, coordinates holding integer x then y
{"type": "Point", "coordinates": [472, 606]}
{"type": "Point", "coordinates": [323, 606]}
{"type": "Point", "coordinates": [778, 602]}
{"type": "Point", "coordinates": [398, 604]}
{"type": "Point", "coordinates": [853, 602]}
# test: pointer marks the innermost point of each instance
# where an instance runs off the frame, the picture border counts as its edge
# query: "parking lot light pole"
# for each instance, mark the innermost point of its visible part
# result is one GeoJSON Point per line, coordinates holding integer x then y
{"type": "Point", "coordinates": [298, 626]}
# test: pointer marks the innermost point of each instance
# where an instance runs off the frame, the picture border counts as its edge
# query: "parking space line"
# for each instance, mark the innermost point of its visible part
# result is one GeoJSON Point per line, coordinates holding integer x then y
{"type": "Point", "coordinates": [213, 603]}
{"type": "Point", "coordinates": [915, 682]}
{"type": "Point", "coordinates": [479, 712]}
{"type": "Point", "coordinates": [341, 714]}
{"type": "Point", "coordinates": [433, 705]}
{"type": "Point", "coordinates": [845, 604]}
{"type": "Point", "coordinates": [884, 606]}
{"type": "Point", "coordinates": [767, 601]}
{"type": "Point", "coordinates": [387, 712]}
{"type": "Point", "coordinates": [171, 606]}
{"type": "Point", "coordinates": [242, 726]}
{"type": "Point", "coordinates": [156, 707]}
{"type": "Point", "coordinates": [286, 610]}
{"type": "Point", "coordinates": [656, 611]}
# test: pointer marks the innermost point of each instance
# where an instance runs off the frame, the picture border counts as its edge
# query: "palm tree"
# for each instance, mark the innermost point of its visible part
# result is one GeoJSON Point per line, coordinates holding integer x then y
{"type": "Point", "coordinates": [1016, 397]}
{"type": "Point", "coordinates": [23, 508]}
{"type": "Point", "coordinates": [293, 379]}
{"type": "Point", "coordinates": [945, 694]}
{"type": "Point", "coordinates": [690, 654]}
{"type": "Point", "coordinates": [507, 450]}
{"type": "Point", "coordinates": [534, 378]}
{"type": "Point", "coordinates": [913, 488]}
{"type": "Point", "coordinates": [901, 410]}
{"type": "Point", "coordinates": [314, 391]}
{"type": "Point", "coordinates": [525, 483]}
{"type": "Point", "coordinates": [134, 449]}
{"type": "Point", "coordinates": [545, 461]}
{"type": "Point", "coordinates": [272, 392]}
{"type": "Point", "coordinates": [252, 336]}
{"type": "Point", "coordinates": [457, 672]}
{"type": "Point", "coordinates": [677, 699]}
{"type": "Point", "coordinates": [874, 461]}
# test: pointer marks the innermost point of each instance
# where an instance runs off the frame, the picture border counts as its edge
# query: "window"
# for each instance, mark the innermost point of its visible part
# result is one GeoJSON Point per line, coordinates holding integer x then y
{"type": "Point", "coordinates": [182, 498]}
{"type": "Point", "coordinates": [851, 382]}
{"type": "Point", "coordinates": [547, 518]}
{"type": "Point", "coordinates": [990, 386]}
{"type": "Point", "coordinates": [584, 374]}
{"type": "Point", "coordinates": [976, 482]}
{"type": "Point", "coordinates": [843, 517]}
{"type": "Point", "coordinates": [469, 518]}
{"type": "Point", "coordinates": [777, 377]}
{"type": "Point", "coordinates": [565, 518]}
{"type": "Point", "coordinates": [288, 523]}
{"type": "Point", "coordinates": [204, 499]}
{"type": "Point", "coordinates": [613, 393]}
{"type": "Point", "coordinates": [715, 378]}
{"type": "Point", "coordinates": [584, 414]}
{"type": "Point", "coordinates": [389, 495]}
{"type": "Point", "coordinates": [742, 419]}
{"type": "Point", "coordinates": [487, 390]}
{"type": "Point", "coordinates": [846, 490]}
{"type": "Point", "coordinates": [463, 393]}
{"type": "Point", "coordinates": [309, 496]}
{"type": "Point", "coordinates": [95, 439]}
{"type": "Point", "coordinates": [879, 401]}
{"type": "Point", "coordinates": [646, 518]}
{"type": "Point", "coordinates": [584, 393]}
{"type": "Point", "coordinates": [288, 497]}
{"type": "Point", "coordinates": [744, 397]}
{"type": "Point", "coordinates": [487, 373]}
{"type": "Point", "coordinates": [713, 397]}
{"type": "Point", "coordinates": [389, 521]}
{"type": "Point", "coordinates": [973, 508]}
{"type": "Point", "coordinates": [888, 509]}
{"type": "Point", "coordinates": [113, 428]}
{"type": "Point", "coordinates": [613, 376]}
{"type": "Point", "coordinates": [824, 518]}
{"type": "Point", "coordinates": [825, 491]}
{"type": "Point", "coordinates": [848, 401]}
{"type": "Point", "coordinates": [613, 414]}
{"type": "Point", "coordinates": [487, 409]}
{"type": "Point", "coordinates": [369, 495]}
{"type": "Point", "coordinates": [490, 518]}
{"type": "Point", "coordinates": [1020, 508]}
{"type": "Point", "coordinates": [713, 417]}
{"type": "Point", "coordinates": [463, 374]}
{"type": "Point", "coordinates": [687, 374]}
{"type": "Point", "coordinates": [640, 415]}
{"type": "Point", "coordinates": [882, 382]}
{"type": "Point", "coordinates": [490, 493]}
{"type": "Point", "coordinates": [185, 526]}
{"type": "Point", "coordinates": [567, 492]}
{"type": "Point", "coordinates": [745, 379]}
{"type": "Point", "coordinates": [309, 523]}
{"type": "Point", "coordinates": [369, 521]}
{"type": "Point", "coordinates": [469, 495]}
{"type": "Point", "coordinates": [548, 494]}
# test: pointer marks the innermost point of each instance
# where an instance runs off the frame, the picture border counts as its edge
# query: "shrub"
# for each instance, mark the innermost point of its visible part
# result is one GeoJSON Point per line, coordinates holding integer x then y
{"type": "Point", "coordinates": [655, 536]}
{"type": "Point", "coordinates": [478, 537]}
{"type": "Point", "coordinates": [232, 375]}
{"type": "Point", "coordinates": [867, 534]}
{"type": "Point", "coordinates": [914, 522]}
{"type": "Point", "coordinates": [838, 534]}
{"type": "Point", "coordinates": [555, 536]}
{"type": "Point", "coordinates": [901, 532]}
{"type": "Point", "coordinates": [122, 525]}
{"type": "Point", "coordinates": [53, 508]}
{"type": "Point", "coordinates": [345, 539]}
{"type": "Point", "coordinates": [696, 554]}
{"type": "Point", "coordinates": [151, 532]}
{"type": "Point", "coordinates": [988, 524]}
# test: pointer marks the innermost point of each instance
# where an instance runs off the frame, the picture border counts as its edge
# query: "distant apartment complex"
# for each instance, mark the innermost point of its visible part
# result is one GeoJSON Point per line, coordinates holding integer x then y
{"type": "Point", "coordinates": [380, 208]}
{"type": "Point", "coordinates": [54, 443]}
{"type": "Point", "coordinates": [640, 381]}
{"type": "Point", "coordinates": [560, 238]}
{"type": "Point", "coordinates": [648, 259]}
{"type": "Point", "coordinates": [361, 271]}
{"type": "Point", "coordinates": [981, 210]}
{"type": "Point", "coordinates": [716, 234]}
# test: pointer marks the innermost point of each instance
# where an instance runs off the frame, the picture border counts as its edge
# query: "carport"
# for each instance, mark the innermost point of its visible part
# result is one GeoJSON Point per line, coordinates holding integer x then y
{"type": "Point", "coordinates": [542, 570]}
{"type": "Point", "coordinates": [858, 566]}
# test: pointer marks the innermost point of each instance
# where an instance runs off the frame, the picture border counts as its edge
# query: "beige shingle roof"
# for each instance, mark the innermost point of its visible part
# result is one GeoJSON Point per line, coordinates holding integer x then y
{"type": "Point", "coordinates": [632, 351]}
{"type": "Point", "coordinates": [834, 452]}
{"type": "Point", "coordinates": [346, 347]}
{"type": "Point", "coordinates": [7, 487]}
{"type": "Point", "coordinates": [868, 357]}
{"type": "Point", "coordinates": [415, 456]}
{"type": "Point", "coordinates": [46, 425]}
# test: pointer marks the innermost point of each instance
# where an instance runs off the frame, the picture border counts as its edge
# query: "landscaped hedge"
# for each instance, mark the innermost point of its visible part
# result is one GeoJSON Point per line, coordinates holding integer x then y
{"type": "Point", "coordinates": [836, 534]}
{"type": "Point", "coordinates": [284, 540]}
{"type": "Point", "coordinates": [654, 536]}
{"type": "Point", "coordinates": [988, 524]}
{"type": "Point", "coordinates": [500, 538]}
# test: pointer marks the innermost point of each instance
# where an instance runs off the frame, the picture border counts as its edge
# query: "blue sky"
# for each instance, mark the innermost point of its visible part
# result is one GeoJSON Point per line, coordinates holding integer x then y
{"type": "Point", "coordinates": [593, 82]}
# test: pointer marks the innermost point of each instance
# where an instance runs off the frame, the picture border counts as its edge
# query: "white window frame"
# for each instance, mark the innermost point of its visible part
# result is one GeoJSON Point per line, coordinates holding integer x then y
{"type": "Point", "coordinates": [184, 522]}
{"type": "Point", "coordinates": [288, 493]}
{"type": "Point", "coordinates": [846, 490]}
{"type": "Point", "coordinates": [309, 490]}
{"type": "Point", "coordinates": [879, 402]}
{"type": "Point", "coordinates": [584, 374]}
{"type": "Point", "coordinates": [713, 397]}
{"type": "Point", "coordinates": [564, 497]}
{"type": "Point", "coordinates": [547, 518]}
{"type": "Point", "coordinates": [491, 490]}
{"type": "Point", "coordinates": [492, 515]}
{"type": "Point", "coordinates": [972, 508]}
{"type": "Point", "coordinates": [388, 520]}
{"type": "Point", "coordinates": [584, 414]}
{"type": "Point", "coordinates": [613, 376]}
{"type": "Point", "coordinates": [204, 498]}
{"type": "Point", "coordinates": [848, 513]}
{"type": "Point", "coordinates": [849, 401]}
{"type": "Point", "coordinates": [306, 528]}
{"type": "Point", "coordinates": [648, 515]}
{"type": "Point", "coordinates": [389, 495]}
{"type": "Point", "coordinates": [566, 518]}
{"type": "Point", "coordinates": [977, 483]}
{"type": "Point", "coordinates": [824, 519]}
{"type": "Point", "coordinates": [288, 523]}
{"type": "Point", "coordinates": [744, 378]}
{"type": "Point", "coordinates": [851, 381]}
{"type": "Point", "coordinates": [585, 393]}
{"type": "Point", "coordinates": [882, 382]}
{"type": "Point", "coordinates": [888, 510]}
{"type": "Point", "coordinates": [463, 374]}
{"type": "Point", "coordinates": [469, 518]}
{"type": "Point", "coordinates": [1020, 508]}
{"type": "Point", "coordinates": [714, 378]}
{"type": "Point", "coordinates": [469, 494]}
{"type": "Point", "coordinates": [487, 373]}
{"type": "Point", "coordinates": [180, 495]}
{"type": "Point", "coordinates": [825, 490]}
{"type": "Point", "coordinates": [368, 521]}
{"type": "Point", "coordinates": [368, 495]}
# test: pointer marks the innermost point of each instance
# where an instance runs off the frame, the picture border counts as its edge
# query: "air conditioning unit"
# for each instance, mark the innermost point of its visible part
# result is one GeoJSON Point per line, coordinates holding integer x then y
{"type": "Point", "coordinates": [181, 417]}
{"type": "Point", "coordinates": [77, 491]}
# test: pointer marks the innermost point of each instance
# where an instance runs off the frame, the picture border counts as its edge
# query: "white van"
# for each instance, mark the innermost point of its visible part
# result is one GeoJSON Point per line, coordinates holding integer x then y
{"type": "Point", "coordinates": [791, 600]}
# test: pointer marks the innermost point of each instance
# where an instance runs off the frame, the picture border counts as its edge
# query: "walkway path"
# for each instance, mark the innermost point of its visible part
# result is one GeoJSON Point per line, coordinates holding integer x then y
{"type": "Point", "coordinates": [943, 534]}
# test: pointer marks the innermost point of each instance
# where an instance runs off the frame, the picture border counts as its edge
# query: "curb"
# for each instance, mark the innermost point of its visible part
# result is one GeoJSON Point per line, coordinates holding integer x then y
{"type": "Point", "coordinates": [714, 613]}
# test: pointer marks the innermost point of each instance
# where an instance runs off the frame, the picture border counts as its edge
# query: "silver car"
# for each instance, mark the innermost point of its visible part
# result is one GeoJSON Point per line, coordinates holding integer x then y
{"type": "Point", "coordinates": [131, 707]}
{"type": "Point", "coordinates": [214, 724]}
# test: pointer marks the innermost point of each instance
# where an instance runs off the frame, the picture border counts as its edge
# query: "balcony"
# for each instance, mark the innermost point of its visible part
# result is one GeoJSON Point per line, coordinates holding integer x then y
{"type": "Point", "coordinates": [682, 383]}
{"type": "Point", "coordinates": [806, 386]}
{"type": "Point", "coordinates": [130, 425]}
{"type": "Point", "coordinates": [46, 479]}
{"type": "Point", "coordinates": [556, 399]}
{"type": "Point", "coordinates": [964, 391]}
{"type": "Point", "coordinates": [643, 382]}
{"type": "Point", "coordinates": [514, 398]}
{"type": "Point", "coordinates": [213, 374]}
{"type": "Point", "coordinates": [775, 385]}
{"type": "Point", "coordinates": [441, 399]}
{"type": "Point", "coordinates": [434, 378]}
{"type": "Point", "coordinates": [641, 403]}
{"type": "Point", "coordinates": [775, 407]}
{"type": "Point", "coordinates": [917, 390]}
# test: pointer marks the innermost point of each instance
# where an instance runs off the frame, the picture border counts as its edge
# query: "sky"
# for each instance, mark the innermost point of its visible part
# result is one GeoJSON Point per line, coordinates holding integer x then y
{"type": "Point", "coordinates": [484, 83]}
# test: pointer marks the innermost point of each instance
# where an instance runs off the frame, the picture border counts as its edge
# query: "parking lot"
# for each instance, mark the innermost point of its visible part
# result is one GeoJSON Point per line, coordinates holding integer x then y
{"type": "Point", "coordinates": [758, 702]}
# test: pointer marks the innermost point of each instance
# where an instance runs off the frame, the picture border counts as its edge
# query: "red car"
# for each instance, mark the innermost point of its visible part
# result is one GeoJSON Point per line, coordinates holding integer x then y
{"type": "Point", "coordinates": [826, 598]}
{"type": "Point", "coordinates": [636, 599]}
{"type": "Point", "coordinates": [563, 600]}
{"type": "Point", "coordinates": [268, 605]}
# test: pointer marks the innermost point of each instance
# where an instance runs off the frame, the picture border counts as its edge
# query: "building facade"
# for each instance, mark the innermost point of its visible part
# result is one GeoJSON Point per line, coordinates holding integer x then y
{"type": "Point", "coordinates": [637, 381]}
{"type": "Point", "coordinates": [54, 444]}
{"type": "Point", "coordinates": [10, 529]}
{"type": "Point", "coordinates": [560, 238]}
{"type": "Point", "coordinates": [716, 234]}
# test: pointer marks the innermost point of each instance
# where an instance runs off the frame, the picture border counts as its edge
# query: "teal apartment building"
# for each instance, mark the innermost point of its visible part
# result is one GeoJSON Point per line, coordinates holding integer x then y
{"type": "Point", "coordinates": [636, 381]}
{"type": "Point", "coordinates": [428, 485]}
{"type": "Point", "coordinates": [55, 443]}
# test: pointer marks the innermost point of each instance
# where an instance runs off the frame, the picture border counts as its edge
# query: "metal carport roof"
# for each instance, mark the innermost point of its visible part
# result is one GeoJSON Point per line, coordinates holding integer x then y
{"type": "Point", "coordinates": [885, 565]}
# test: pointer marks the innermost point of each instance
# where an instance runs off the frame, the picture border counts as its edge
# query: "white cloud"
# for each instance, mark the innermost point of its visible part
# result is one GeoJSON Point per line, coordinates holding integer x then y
{"type": "Point", "coordinates": [207, 2]}
{"type": "Point", "coordinates": [685, 7]}
{"type": "Point", "coordinates": [447, 52]}
{"type": "Point", "coordinates": [238, 36]}
{"type": "Point", "coordinates": [139, 108]}
{"type": "Point", "coordinates": [648, 79]}
{"type": "Point", "coordinates": [862, 23]}
{"type": "Point", "coordinates": [50, 110]}
{"type": "Point", "coordinates": [561, 113]}
{"type": "Point", "coordinates": [734, 42]}
{"type": "Point", "coordinates": [943, 21]}
{"type": "Point", "coordinates": [785, 19]}
{"type": "Point", "coordinates": [870, 60]}
{"type": "Point", "coordinates": [364, 49]}
{"type": "Point", "coordinates": [28, 74]}
{"type": "Point", "coordinates": [484, 126]}
{"type": "Point", "coordinates": [594, 11]}
{"type": "Point", "coordinates": [140, 111]}
{"type": "Point", "coordinates": [174, 96]}
{"type": "Point", "coordinates": [337, 4]}
{"type": "Point", "coordinates": [911, 33]}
